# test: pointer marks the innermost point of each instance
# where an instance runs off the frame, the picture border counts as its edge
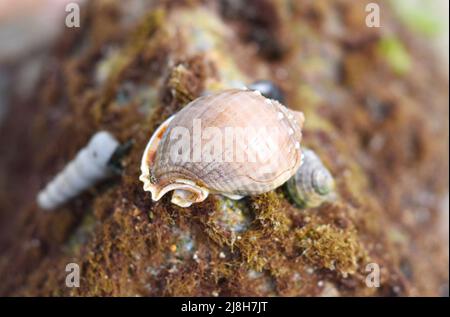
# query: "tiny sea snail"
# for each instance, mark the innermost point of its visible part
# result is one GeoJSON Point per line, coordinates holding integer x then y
{"type": "Point", "coordinates": [312, 184]}
{"type": "Point", "coordinates": [234, 142]}
{"type": "Point", "coordinates": [91, 165]}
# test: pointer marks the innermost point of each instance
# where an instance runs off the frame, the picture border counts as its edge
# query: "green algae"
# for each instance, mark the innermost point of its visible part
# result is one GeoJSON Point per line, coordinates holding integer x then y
{"type": "Point", "coordinates": [395, 54]}
{"type": "Point", "coordinates": [420, 16]}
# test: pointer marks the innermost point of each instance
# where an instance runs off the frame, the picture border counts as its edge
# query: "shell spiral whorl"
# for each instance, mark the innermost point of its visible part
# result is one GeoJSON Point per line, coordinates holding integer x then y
{"type": "Point", "coordinates": [312, 183]}
{"type": "Point", "coordinates": [88, 167]}
{"type": "Point", "coordinates": [248, 144]}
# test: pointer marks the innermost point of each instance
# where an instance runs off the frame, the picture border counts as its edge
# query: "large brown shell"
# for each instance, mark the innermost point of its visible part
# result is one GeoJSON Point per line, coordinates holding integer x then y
{"type": "Point", "coordinates": [228, 174]}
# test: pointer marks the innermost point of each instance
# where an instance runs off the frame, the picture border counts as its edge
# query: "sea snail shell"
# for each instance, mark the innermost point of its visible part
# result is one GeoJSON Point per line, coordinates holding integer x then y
{"type": "Point", "coordinates": [89, 166]}
{"type": "Point", "coordinates": [234, 143]}
{"type": "Point", "coordinates": [312, 184]}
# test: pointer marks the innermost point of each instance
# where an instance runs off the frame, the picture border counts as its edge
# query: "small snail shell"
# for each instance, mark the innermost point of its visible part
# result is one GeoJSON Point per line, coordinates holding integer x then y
{"type": "Point", "coordinates": [222, 116]}
{"type": "Point", "coordinates": [312, 184]}
{"type": "Point", "coordinates": [88, 167]}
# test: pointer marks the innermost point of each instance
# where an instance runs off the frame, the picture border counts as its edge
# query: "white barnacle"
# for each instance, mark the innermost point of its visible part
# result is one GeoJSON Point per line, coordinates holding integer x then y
{"type": "Point", "coordinates": [86, 169]}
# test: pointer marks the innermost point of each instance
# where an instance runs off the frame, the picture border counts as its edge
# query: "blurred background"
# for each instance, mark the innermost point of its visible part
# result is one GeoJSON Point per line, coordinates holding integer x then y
{"type": "Point", "coordinates": [28, 28]}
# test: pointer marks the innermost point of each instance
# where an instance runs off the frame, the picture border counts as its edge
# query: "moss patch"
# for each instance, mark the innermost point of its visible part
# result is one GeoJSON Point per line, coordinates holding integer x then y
{"type": "Point", "coordinates": [329, 247]}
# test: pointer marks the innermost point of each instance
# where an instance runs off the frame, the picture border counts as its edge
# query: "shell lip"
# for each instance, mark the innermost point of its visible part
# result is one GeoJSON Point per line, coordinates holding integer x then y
{"type": "Point", "coordinates": [150, 153]}
{"type": "Point", "coordinates": [157, 190]}
{"type": "Point", "coordinates": [186, 192]}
